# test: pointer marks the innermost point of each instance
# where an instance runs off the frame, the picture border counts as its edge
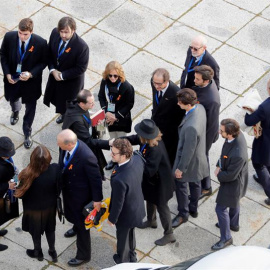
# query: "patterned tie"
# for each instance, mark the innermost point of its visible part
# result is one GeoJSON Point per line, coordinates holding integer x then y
{"type": "Point", "coordinates": [62, 46]}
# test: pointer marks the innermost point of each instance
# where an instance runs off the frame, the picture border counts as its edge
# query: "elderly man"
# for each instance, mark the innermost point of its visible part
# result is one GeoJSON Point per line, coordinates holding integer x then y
{"type": "Point", "coordinates": [232, 173]}
{"type": "Point", "coordinates": [261, 146]}
{"type": "Point", "coordinates": [198, 55]}
{"type": "Point", "coordinates": [208, 96]}
{"type": "Point", "coordinates": [69, 55]}
{"type": "Point", "coordinates": [82, 184]}
{"type": "Point", "coordinates": [190, 165]}
{"type": "Point", "coordinates": [166, 113]}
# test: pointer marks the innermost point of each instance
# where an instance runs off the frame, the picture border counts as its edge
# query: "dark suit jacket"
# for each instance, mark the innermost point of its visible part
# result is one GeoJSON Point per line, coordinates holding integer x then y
{"type": "Point", "coordinates": [127, 203]}
{"type": "Point", "coordinates": [233, 176]}
{"type": "Point", "coordinates": [158, 180]}
{"type": "Point", "coordinates": [6, 173]}
{"type": "Point", "coordinates": [209, 97]}
{"type": "Point", "coordinates": [73, 64]}
{"type": "Point", "coordinates": [81, 182]}
{"type": "Point", "coordinates": [123, 101]}
{"type": "Point", "coordinates": [35, 60]}
{"type": "Point", "coordinates": [167, 116]}
{"type": "Point", "coordinates": [261, 146]}
{"type": "Point", "coordinates": [187, 78]}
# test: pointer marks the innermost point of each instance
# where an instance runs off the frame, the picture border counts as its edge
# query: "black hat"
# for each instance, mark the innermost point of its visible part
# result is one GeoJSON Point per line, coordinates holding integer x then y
{"type": "Point", "coordinates": [7, 148]}
{"type": "Point", "coordinates": [147, 129]}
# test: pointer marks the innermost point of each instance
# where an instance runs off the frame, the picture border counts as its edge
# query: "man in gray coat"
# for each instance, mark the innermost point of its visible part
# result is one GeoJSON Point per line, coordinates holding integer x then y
{"type": "Point", "coordinates": [190, 165]}
{"type": "Point", "coordinates": [232, 173]}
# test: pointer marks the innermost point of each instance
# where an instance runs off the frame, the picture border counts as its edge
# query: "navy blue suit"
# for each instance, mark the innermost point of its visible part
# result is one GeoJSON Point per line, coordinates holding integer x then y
{"type": "Point", "coordinates": [261, 147]}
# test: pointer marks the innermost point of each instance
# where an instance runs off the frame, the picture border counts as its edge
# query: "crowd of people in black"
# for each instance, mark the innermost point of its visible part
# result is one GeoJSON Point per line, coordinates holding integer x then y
{"type": "Point", "coordinates": [173, 145]}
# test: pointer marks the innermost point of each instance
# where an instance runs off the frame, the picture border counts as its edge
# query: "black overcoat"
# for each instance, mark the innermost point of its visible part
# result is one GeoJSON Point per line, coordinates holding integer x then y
{"type": "Point", "coordinates": [6, 174]}
{"type": "Point", "coordinates": [81, 182]}
{"type": "Point", "coordinates": [34, 61]}
{"type": "Point", "coordinates": [187, 78]}
{"type": "Point", "coordinates": [127, 203]}
{"type": "Point", "coordinates": [73, 64]}
{"type": "Point", "coordinates": [123, 100]}
{"type": "Point", "coordinates": [158, 180]}
{"type": "Point", "coordinates": [168, 115]}
{"type": "Point", "coordinates": [233, 176]}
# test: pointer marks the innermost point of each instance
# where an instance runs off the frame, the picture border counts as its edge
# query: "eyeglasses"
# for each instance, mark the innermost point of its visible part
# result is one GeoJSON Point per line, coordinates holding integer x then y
{"type": "Point", "coordinates": [113, 75]}
{"type": "Point", "coordinates": [114, 154]}
{"type": "Point", "coordinates": [157, 84]}
{"type": "Point", "coordinates": [195, 49]}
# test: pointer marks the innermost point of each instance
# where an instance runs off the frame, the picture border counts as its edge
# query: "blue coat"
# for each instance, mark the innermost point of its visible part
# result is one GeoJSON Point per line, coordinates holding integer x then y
{"type": "Point", "coordinates": [261, 146]}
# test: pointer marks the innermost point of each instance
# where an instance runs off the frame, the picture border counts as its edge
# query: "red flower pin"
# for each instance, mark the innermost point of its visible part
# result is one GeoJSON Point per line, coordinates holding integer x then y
{"type": "Point", "coordinates": [118, 97]}
{"type": "Point", "coordinates": [114, 171]}
{"type": "Point", "coordinates": [225, 157]}
{"type": "Point", "coordinates": [70, 167]}
{"type": "Point", "coordinates": [31, 49]}
{"type": "Point", "coordinates": [68, 50]}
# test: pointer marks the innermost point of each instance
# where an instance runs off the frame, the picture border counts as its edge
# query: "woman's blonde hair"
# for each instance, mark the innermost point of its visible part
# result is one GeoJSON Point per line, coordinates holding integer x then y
{"type": "Point", "coordinates": [152, 142]}
{"type": "Point", "coordinates": [111, 66]}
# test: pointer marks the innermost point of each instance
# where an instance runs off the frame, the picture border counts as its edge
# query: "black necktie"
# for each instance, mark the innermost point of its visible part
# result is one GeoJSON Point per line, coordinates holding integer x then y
{"type": "Point", "coordinates": [62, 46]}
{"type": "Point", "coordinates": [68, 156]}
{"type": "Point", "coordinates": [160, 96]}
{"type": "Point", "coordinates": [22, 47]}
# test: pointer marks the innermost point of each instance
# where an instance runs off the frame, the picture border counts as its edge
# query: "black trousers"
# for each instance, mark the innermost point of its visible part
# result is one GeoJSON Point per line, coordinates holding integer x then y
{"type": "Point", "coordinates": [126, 243]}
{"type": "Point", "coordinates": [206, 182]}
{"type": "Point", "coordinates": [263, 173]}
{"type": "Point", "coordinates": [50, 239]}
{"type": "Point", "coordinates": [164, 214]}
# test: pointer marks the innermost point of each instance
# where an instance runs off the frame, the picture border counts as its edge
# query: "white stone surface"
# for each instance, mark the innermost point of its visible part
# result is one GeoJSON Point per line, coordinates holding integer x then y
{"type": "Point", "coordinates": [250, 5]}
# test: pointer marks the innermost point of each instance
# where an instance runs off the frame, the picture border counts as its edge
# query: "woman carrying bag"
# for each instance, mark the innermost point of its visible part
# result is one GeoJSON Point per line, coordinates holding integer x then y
{"type": "Point", "coordinates": [38, 190]}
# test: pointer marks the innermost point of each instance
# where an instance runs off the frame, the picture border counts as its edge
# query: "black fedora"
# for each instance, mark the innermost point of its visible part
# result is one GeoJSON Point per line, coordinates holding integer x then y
{"type": "Point", "coordinates": [7, 148]}
{"type": "Point", "coordinates": [147, 129]}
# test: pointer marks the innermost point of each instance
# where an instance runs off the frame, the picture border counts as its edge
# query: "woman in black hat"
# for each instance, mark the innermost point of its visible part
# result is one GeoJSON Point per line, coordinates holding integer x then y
{"type": "Point", "coordinates": [158, 182]}
{"type": "Point", "coordinates": [7, 171]}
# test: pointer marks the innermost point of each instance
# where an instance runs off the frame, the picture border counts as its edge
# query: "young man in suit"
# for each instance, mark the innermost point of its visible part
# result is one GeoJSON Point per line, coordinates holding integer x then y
{"type": "Point", "coordinates": [79, 187]}
{"type": "Point", "coordinates": [198, 55]}
{"type": "Point", "coordinates": [232, 173]}
{"type": "Point", "coordinates": [166, 113]}
{"type": "Point", "coordinates": [68, 60]}
{"type": "Point", "coordinates": [208, 95]}
{"type": "Point", "coordinates": [190, 165]}
{"type": "Point", "coordinates": [127, 202]}
{"type": "Point", "coordinates": [23, 58]}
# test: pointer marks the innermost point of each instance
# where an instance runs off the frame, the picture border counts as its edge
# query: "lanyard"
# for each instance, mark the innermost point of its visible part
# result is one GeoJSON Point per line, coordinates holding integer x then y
{"type": "Point", "coordinates": [142, 148]}
{"type": "Point", "coordinates": [190, 63]}
{"type": "Point", "coordinates": [87, 119]}
{"type": "Point", "coordinates": [108, 97]}
{"type": "Point", "coordinates": [67, 161]}
{"type": "Point", "coordinates": [25, 50]}
{"type": "Point", "coordinates": [10, 161]}
{"type": "Point", "coordinates": [191, 110]}
{"type": "Point", "coordinates": [60, 53]}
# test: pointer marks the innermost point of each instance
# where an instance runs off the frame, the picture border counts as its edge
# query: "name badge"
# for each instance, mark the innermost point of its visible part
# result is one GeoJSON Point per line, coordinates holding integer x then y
{"type": "Point", "coordinates": [19, 68]}
{"type": "Point", "coordinates": [111, 107]}
{"type": "Point", "coordinates": [90, 131]}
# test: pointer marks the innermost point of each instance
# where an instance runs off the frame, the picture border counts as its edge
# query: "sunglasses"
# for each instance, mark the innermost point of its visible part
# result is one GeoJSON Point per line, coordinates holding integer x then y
{"type": "Point", "coordinates": [195, 49]}
{"type": "Point", "coordinates": [115, 76]}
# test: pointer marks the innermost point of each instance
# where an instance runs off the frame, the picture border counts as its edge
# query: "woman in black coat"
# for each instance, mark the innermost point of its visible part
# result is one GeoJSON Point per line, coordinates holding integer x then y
{"type": "Point", "coordinates": [116, 97]}
{"type": "Point", "coordinates": [158, 182]}
{"type": "Point", "coordinates": [38, 190]}
{"type": "Point", "coordinates": [7, 171]}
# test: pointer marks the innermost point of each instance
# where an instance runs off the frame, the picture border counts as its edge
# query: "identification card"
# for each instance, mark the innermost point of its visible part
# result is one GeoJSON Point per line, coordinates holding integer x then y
{"type": "Point", "coordinates": [19, 68]}
{"type": "Point", "coordinates": [111, 107]}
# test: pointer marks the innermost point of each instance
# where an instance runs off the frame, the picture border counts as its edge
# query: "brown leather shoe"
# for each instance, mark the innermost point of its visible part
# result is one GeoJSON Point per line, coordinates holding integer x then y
{"type": "Point", "coordinates": [178, 220]}
{"type": "Point", "coordinates": [205, 192]}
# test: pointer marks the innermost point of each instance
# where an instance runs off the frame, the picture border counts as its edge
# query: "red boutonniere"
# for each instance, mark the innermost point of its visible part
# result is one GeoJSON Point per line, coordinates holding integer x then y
{"type": "Point", "coordinates": [118, 97]}
{"type": "Point", "coordinates": [31, 49]}
{"type": "Point", "coordinates": [70, 167]}
{"type": "Point", "coordinates": [198, 102]}
{"type": "Point", "coordinates": [144, 151]}
{"type": "Point", "coordinates": [114, 172]}
{"type": "Point", "coordinates": [225, 156]}
{"type": "Point", "coordinates": [68, 50]}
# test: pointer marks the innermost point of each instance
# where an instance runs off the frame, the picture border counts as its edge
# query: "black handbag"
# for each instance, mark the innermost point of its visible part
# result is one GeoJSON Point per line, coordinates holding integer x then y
{"type": "Point", "coordinates": [8, 209]}
{"type": "Point", "coordinates": [59, 205]}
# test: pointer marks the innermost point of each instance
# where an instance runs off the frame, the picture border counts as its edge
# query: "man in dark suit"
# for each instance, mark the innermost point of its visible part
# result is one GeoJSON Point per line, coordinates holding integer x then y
{"type": "Point", "coordinates": [81, 184]}
{"type": "Point", "coordinates": [23, 58]}
{"type": "Point", "coordinates": [190, 165]}
{"type": "Point", "coordinates": [208, 96]}
{"type": "Point", "coordinates": [232, 173]}
{"type": "Point", "coordinates": [261, 146]}
{"type": "Point", "coordinates": [127, 202]}
{"type": "Point", "coordinates": [198, 55]}
{"type": "Point", "coordinates": [68, 60]}
{"type": "Point", "coordinates": [166, 113]}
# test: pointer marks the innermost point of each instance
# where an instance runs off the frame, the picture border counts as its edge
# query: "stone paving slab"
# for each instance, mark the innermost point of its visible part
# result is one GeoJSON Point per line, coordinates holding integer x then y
{"type": "Point", "coordinates": [266, 13]}
{"type": "Point", "coordinates": [253, 6]}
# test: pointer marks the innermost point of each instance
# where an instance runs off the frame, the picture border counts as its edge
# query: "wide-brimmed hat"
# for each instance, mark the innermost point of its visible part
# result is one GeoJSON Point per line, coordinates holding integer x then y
{"type": "Point", "coordinates": [7, 148]}
{"type": "Point", "coordinates": [147, 129]}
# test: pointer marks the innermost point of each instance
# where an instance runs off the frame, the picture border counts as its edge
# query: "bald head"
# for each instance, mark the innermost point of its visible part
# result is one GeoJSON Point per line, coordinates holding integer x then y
{"type": "Point", "coordinates": [66, 139]}
{"type": "Point", "coordinates": [198, 45]}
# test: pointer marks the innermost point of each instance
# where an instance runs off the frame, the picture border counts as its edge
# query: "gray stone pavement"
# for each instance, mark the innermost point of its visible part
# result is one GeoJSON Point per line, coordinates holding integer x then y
{"type": "Point", "coordinates": [144, 35]}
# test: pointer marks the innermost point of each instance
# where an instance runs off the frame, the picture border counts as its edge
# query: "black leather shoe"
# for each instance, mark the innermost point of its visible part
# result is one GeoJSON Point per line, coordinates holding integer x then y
{"type": "Point", "coordinates": [109, 166]}
{"type": "Point", "coordinates": [33, 253]}
{"type": "Point", "coordinates": [206, 192]}
{"type": "Point", "coordinates": [3, 247]}
{"type": "Point", "coordinates": [222, 244]}
{"type": "Point", "coordinates": [3, 232]}
{"type": "Point", "coordinates": [14, 118]}
{"type": "Point", "coordinates": [116, 259]}
{"type": "Point", "coordinates": [256, 178]}
{"type": "Point", "coordinates": [60, 119]}
{"type": "Point", "coordinates": [75, 262]}
{"type": "Point", "coordinates": [148, 224]}
{"type": "Point", "coordinates": [133, 258]}
{"type": "Point", "coordinates": [27, 141]}
{"type": "Point", "coordinates": [177, 221]}
{"type": "Point", "coordinates": [267, 201]}
{"type": "Point", "coordinates": [194, 214]}
{"type": "Point", "coordinates": [70, 233]}
{"type": "Point", "coordinates": [53, 254]}
{"type": "Point", "coordinates": [232, 228]}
